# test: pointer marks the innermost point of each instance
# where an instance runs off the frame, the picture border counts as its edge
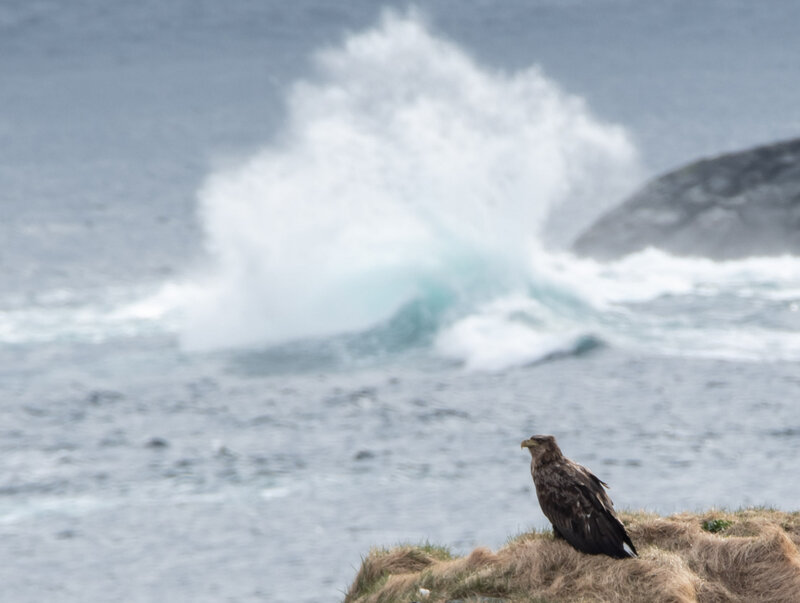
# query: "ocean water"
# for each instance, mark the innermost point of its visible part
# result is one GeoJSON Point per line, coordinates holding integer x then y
{"type": "Point", "coordinates": [281, 282]}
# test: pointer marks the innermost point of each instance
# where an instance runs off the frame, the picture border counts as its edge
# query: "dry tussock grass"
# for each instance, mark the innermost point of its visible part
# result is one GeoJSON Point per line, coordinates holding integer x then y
{"type": "Point", "coordinates": [747, 556]}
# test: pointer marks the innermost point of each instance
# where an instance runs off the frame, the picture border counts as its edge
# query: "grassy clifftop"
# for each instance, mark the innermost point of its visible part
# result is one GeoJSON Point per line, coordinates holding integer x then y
{"type": "Point", "coordinates": [744, 556]}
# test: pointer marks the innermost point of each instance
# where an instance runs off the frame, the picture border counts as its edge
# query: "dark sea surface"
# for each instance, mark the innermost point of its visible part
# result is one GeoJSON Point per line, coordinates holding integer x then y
{"type": "Point", "coordinates": [281, 282]}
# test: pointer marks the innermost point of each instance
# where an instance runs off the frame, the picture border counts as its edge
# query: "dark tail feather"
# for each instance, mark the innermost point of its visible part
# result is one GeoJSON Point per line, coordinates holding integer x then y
{"type": "Point", "coordinates": [618, 538]}
{"type": "Point", "coordinates": [627, 540]}
{"type": "Point", "coordinates": [624, 539]}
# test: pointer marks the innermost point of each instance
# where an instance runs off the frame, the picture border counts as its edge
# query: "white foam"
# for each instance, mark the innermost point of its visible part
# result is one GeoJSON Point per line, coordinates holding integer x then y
{"type": "Point", "coordinates": [403, 166]}
{"type": "Point", "coordinates": [649, 274]}
{"type": "Point", "coordinates": [510, 331]}
{"type": "Point", "coordinates": [740, 310]}
{"type": "Point", "coordinates": [68, 315]}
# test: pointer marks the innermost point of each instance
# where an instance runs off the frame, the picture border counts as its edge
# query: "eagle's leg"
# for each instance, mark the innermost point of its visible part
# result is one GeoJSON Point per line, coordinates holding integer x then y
{"type": "Point", "coordinates": [557, 535]}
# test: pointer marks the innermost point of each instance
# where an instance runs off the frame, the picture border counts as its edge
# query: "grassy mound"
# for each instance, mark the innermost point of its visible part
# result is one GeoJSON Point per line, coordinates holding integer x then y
{"type": "Point", "coordinates": [744, 556]}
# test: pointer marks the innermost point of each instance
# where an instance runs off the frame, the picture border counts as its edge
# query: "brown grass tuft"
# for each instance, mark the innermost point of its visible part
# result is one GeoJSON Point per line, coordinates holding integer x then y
{"type": "Point", "coordinates": [747, 556]}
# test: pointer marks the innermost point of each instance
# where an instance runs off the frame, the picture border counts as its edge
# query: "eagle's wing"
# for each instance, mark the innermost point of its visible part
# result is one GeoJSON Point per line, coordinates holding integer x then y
{"type": "Point", "coordinates": [576, 503]}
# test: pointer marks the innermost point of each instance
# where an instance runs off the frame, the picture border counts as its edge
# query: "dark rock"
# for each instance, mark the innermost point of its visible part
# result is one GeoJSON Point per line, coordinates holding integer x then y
{"type": "Point", "coordinates": [733, 206]}
{"type": "Point", "coordinates": [157, 443]}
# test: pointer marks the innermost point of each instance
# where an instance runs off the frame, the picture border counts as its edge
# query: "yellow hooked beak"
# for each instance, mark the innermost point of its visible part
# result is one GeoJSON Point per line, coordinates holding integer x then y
{"type": "Point", "coordinates": [527, 443]}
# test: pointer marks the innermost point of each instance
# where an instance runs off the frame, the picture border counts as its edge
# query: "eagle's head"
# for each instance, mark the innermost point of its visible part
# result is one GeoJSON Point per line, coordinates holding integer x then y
{"type": "Point", "coordinates": [541, 445]}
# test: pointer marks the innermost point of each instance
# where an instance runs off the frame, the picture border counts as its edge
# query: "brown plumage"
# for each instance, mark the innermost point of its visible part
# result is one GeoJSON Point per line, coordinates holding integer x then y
{"type": "Point", "coordinates": [575, 501]}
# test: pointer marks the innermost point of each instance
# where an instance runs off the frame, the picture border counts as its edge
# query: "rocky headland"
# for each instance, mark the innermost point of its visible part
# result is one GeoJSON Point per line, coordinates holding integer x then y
{"type": "Point", "coordinates": [728, 207]}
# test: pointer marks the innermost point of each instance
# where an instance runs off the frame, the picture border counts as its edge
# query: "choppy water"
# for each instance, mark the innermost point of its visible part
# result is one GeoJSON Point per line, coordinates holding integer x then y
{"type": "Point", "coordinates": [280, 284]}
